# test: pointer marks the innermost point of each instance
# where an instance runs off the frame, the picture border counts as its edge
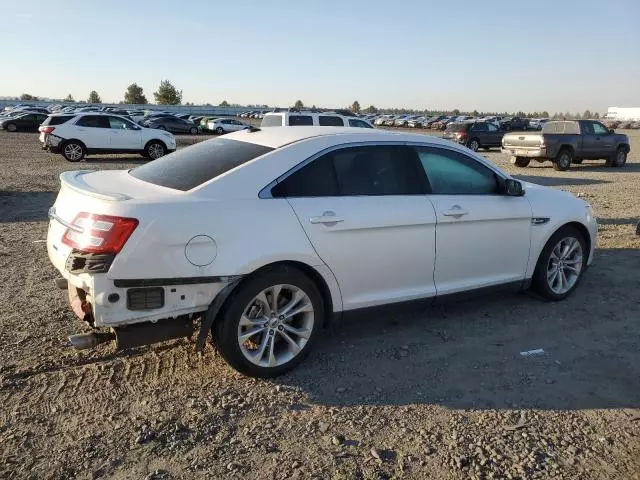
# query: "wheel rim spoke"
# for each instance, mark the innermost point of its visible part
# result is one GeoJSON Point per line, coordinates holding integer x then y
{"type": "Point", "coordinates": [297, 331]}
{"type": "Point", "coordinates": [257, 357]}
{"type": "Point", "coordinates": [251, 333]}
{"type": "Point", "coordinates": [293, 345]}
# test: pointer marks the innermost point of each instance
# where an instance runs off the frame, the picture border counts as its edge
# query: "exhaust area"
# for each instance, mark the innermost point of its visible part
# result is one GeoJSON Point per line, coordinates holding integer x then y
{"type": "Point", "coordinates": [82, 341]}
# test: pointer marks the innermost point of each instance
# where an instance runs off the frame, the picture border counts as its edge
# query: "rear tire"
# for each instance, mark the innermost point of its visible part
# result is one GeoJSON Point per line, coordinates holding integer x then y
{"type": "Point", "coordinates": [73, 151]}
{"type": "Point", "coordinates": [193, 130]}
{"type": "Point", "coordinates": [552, 264]}
{"type": "Point", "coordinates": [11, 127]}
{"type": "Point", "coordinates": [219, 130]}
{"type": "Point", "coordinates": [473, 145]}
{"type": "Point", "coordinates": [521, 162]}
{"type": "Point", "coordinates": [244, 311]}
{"type": "Point", "coordinates": [563, 161]}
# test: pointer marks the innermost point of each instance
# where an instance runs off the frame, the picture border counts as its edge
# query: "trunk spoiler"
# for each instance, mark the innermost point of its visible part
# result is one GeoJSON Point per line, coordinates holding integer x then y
{"type": "Point", "coordinates": [74, 181]}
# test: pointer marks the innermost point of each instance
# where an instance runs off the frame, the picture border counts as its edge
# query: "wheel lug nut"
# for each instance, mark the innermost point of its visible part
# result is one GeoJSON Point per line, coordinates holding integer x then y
{"type": "Point", "coordinates": [280, 328]}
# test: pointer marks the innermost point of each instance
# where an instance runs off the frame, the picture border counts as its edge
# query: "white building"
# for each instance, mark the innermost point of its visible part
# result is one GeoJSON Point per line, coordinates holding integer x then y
{"type": "Point", "coordinates": [623, 113]}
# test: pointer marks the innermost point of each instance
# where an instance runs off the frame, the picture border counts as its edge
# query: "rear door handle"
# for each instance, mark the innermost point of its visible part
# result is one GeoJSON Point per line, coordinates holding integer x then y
{"type": "Point", "coordinates": [327, 218]}
{"type": "Point", "coordinates": [456, 211]}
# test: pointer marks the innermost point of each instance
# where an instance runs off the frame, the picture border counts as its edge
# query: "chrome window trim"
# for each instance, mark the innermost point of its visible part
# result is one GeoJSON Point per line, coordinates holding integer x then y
{"type": "Point", "coordinates": [265, 192]}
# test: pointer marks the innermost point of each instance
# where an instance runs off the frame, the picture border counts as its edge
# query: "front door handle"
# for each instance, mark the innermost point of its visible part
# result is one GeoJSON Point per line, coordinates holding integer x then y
{"type": "Point", "coordinates": [327, 218]}
{"type": "Point", "coordinates": [456, 211]}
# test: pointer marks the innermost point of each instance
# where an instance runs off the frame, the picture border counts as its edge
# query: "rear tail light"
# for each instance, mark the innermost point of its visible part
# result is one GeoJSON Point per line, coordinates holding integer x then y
{"type": "Point", "coordinates": [99, 233]}
{"type": "Point", "coordinates": [47, 129]}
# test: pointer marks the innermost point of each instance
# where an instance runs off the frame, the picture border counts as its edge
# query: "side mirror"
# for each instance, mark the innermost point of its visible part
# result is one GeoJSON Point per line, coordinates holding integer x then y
{"type": "Point", "coordinates": [513, 188]}
{"type": "Point", "coordinates": [611, 130]}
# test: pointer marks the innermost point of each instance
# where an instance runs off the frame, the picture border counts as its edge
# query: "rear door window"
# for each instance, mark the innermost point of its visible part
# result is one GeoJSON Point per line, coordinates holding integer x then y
{"type": "Point", "coordinates": [195, 165]}
{"type": "Point", "coordinates": [300, 120]}
{"type": "Point", "coordinates": [357, 171]}
{"type": "Point", "coordinates": [94, 121]}
{"type": "Point", "coordinates": [330, 121]}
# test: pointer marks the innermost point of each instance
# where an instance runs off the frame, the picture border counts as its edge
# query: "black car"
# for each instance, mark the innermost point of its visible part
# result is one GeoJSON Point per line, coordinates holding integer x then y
{"type": "Point", "coordinates": [474, 135]}
{"type": "Point", "coordinates": [29, 122]}
{"type": "Point", "coordinates": [172, 124]}
{"type": "Point", "coordinates": [515, 123]}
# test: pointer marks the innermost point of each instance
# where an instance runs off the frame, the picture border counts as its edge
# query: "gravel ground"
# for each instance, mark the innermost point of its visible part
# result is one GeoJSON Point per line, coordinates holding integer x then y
{"type": "Point", "coordinates": [439, 393]}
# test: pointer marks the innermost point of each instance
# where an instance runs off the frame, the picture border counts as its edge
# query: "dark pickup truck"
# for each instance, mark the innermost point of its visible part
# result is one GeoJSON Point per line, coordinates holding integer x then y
{"type": "Point", "coordinates": [567, 142]}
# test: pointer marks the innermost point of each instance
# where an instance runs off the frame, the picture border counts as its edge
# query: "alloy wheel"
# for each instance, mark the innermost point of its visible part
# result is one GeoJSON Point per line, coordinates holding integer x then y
{"type": "Point", "coordinates": [565, 265]}
{"type": "Point", "coordinates": [155, 151]}
{"type": "Point", "coordinates": [474, 145]}
{"type": "Point", "coordinates": [11, 127]}
{"type": "Point", "coordinates": [276, 325]}
{"type": "Point", "coordinates": [73, 152]}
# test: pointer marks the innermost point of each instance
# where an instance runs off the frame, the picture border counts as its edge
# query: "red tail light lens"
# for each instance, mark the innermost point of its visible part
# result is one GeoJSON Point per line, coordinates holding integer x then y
{"type": "Point", "coordinates": [99, 233]}
{"type": "Point", "coordinates": [47, 129]}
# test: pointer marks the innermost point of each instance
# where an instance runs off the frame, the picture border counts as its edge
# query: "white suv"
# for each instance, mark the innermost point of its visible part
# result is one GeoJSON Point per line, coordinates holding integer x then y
{"type": "Point", "coordinates": [316, 119]}
{"type": "Point", "coordinates": [77, 135]}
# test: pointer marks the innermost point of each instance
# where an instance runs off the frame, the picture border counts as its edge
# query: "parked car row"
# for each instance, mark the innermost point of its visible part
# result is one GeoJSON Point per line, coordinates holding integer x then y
{"type": "Point", "coordinates": [623, 124]}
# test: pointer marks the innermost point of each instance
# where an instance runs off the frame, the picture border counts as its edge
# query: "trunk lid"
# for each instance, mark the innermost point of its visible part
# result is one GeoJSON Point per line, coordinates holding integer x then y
{"type": "Point", "coordinates": [108, 192]}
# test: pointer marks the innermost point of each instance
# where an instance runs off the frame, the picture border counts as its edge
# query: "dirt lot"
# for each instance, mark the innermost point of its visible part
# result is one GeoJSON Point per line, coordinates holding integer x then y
{"type": "Point", "coordinates": [441, 393]}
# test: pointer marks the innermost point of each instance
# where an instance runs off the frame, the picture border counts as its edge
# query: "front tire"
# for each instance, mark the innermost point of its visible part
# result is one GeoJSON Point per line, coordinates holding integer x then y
{"type": "Point", "coordinates": [561, 264]}
{"type": "Point", "coordinates": [270, 323]}
{"type": "Point", "coordinates": [193, 131]}
{"type": "Point", "coordinates": [11, 127]}
{"type": "Point", "coordinates": [73, 151]}
{"type": "Point", "coordinates": [521, 161]}
{"type": "Point", "coordinates": [563, 161]}
{"type": "Point", "coordinates": [219, 130]}
{"type": "Point", "coordinates": [154, 149]}
{"type": "Point", "coordinates": [619, 159]}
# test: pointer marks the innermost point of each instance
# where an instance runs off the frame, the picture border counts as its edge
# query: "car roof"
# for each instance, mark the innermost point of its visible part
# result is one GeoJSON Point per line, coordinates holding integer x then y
{"type": "Point", "coordinates": [276, 137]}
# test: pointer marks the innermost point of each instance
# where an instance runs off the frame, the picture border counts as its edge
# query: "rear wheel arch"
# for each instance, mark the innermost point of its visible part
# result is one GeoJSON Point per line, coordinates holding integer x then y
{"type": "Point", "coordinates": [306, 269]}
{"type": "Point", "coordinates": [68, 140]}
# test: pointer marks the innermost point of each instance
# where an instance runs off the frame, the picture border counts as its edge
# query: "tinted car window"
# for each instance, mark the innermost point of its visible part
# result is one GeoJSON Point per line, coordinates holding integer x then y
{"type": "Point", "coordinates": [57, 120]}
{"type": "Point", "coordinates": [93, 121]}
{"type": "Point", "coordinates": [271, 121]}
{"type": "Point", "coordinates": [375, 170]}
{"type": "Point", "coordinates": [330, 121]}
{"type": "Point", "coordinates": [452, 173]}
{"type": "Point", "coordinates": [358, 123]}
{"type": "Point", "coordinates": [317, 179]}
{"type": "Point", "coordinates": [195, 165]}
{"type": "Point", "coordinates": [379, 170]}
{"type": "Point", "coordinates": [479, 127]}
{"type": "Point", "coordinates": [300, 120]}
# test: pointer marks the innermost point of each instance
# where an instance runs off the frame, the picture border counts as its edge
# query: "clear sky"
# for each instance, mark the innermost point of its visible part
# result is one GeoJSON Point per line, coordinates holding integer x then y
{"type": "Point", "coordinates": [492, 55]}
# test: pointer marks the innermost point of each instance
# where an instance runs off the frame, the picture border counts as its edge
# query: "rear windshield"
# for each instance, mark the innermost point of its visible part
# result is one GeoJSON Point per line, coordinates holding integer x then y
{"type": "Point", "coordinates": [57, 120]}
{"type": "Point", "coordinates": [199, 163]}
{"type": "Point", "coordinates": [455, 127]}
{"type": "Point", "coordinates": [271, 121]}
{"type": "Point", "coordinates": [561, 127]}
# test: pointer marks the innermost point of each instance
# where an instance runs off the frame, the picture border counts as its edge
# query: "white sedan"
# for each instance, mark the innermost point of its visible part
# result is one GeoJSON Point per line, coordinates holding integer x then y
{"type": "Point", "coordinates": [261, 237]}
{"type": "Point", "coordinates": [226, 125]}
